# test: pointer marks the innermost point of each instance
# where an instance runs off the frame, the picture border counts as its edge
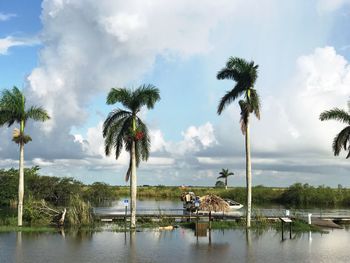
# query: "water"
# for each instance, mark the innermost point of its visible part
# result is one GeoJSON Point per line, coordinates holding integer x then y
{"type": "Point", "coordinates": [152, 206]}
{"type": "Point", "coordinates": [179, 245]}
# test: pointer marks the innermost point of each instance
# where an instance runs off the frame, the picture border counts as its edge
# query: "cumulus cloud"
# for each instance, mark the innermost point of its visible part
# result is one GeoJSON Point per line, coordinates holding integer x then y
{"type": "Point", "coordinates": [107, 44]}
{"type": "Point", "coordinates": [290, 138]}
{"type": "Point", "coordinates": [90, 46]}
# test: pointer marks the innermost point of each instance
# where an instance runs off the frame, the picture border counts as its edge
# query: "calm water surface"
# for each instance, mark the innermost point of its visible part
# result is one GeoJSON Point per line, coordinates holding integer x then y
{"type": "Point", "coordinates": [151, 206]}
{"type": "Point", "coordinates": [179, 245]}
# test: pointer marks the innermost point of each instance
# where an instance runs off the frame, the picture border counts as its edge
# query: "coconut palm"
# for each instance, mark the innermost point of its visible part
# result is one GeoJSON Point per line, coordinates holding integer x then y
{"type": "Point", "coordinates": [13, 110]}
{"type": "Point", "coordinates": [342, 140]}
{"type": "Point", "coordinates": [224, 174]}
{"type": "Point", "coordinates": [124, 128]}
{"type": "Point", "coordinates": [244, 73]}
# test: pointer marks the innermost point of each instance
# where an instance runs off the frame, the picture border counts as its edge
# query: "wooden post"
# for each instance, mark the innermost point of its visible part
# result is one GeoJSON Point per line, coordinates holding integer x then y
{"type": "Point", "coordinates": [61, 220]}
{"type": "Point", "coordinates": [126, 211]}
{"type": "Point", "coordinates": [282, 230]}
{"type": "Point", "coordinates": [290, 230]}
{"type": "Point", "coordinates": [209, 220]}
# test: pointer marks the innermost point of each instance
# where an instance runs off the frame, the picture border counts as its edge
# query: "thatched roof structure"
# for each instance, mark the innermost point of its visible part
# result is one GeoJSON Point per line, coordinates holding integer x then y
{"type": "Point", "coordinates": [213, 203]}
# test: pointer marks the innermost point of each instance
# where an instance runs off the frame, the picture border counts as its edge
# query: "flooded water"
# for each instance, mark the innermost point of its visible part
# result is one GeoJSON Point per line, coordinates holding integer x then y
{"type": "Point", "coordinates": [179, 245]}
{"type": "Point", "coordinates": [151, 206]}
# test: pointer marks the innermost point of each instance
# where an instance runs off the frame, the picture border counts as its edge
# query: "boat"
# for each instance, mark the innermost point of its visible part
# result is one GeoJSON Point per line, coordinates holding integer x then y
{"type": "Point", "coordinates": [191, 204]}
{"type": "Point", "coordinates": [233, 204]}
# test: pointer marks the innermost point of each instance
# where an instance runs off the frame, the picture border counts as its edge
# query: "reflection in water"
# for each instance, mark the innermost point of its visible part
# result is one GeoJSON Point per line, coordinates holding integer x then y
{"type": "Point", "coordinates": [178, 245]}
{"type": "Point", "coordinates": [19, 257]}
{"type": "Point", "coordinates": [249, 247]}
{"type": "Point", "coordinates": [132, 250]}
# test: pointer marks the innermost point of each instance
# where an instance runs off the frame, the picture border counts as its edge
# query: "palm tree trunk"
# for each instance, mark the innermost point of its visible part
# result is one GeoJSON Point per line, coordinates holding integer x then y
{"type": "Point", "coordinates": [21, 183]}
{"type": "Point", "coordinates": [248, 175]}
{"type": "Point", "coordinates": [133, 186]}
{"type": "Point", "coordinates": [225, 183]}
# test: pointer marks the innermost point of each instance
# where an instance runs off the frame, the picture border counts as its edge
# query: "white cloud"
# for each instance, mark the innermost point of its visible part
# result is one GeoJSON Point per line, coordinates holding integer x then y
{"type": "Point", "coordinates": [331, 5]}
{"type": "Point", "coordinates": [9, 41]}
{"type": "Point", "coordinates": [6, 17]}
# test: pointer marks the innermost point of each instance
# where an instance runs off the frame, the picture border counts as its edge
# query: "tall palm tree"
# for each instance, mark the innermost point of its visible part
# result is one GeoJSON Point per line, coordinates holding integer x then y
{"type": "Point", "coordinates": [244, 73]}
{"type": "Point", "coordinates": [224, 174]}
{"type": "Point", "coordinates": [123, 128]}
{"type": "Point", "coordinates": [13, 110]}
{"type": "Point", "coordinates": [342, 140]}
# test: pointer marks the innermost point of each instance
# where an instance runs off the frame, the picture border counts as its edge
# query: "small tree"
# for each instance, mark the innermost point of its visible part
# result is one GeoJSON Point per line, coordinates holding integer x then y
{"type": "Point", "coordinates": [219, 184]}
{"type": "Point", "coordinates": [225, 174]}
{"type": "Point", "coordinates": [124, 128]}
{"type": "Point", "coordinates": [13, 110]}
{"type": "Point", "coordinates": [244, 73]}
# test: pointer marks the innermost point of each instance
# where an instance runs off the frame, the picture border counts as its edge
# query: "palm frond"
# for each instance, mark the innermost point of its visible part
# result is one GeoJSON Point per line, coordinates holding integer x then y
{"type": "Point", "coordinates": [336, 114]}
{"type": "Point", "coordinates": [341, 141]}
{"type": "Point", "coordinates": [254, 102]}
{"type": "Point", "coordinates": [122, 95]}
{"type": "Point", "coordinates": [143, 145]}
{"type": "Point", "coordinates": [225, 173]}
{"type": "Point", "coordinates": [229, 97]}
{"type": "Point", "coordinates": [114, 116]}
{"type": "Point", "coordinates": [146, 95]}
{"type": "Point", "coordinates": [12, 105]}
{"type": "Point", "coordinates": [245, 110]}
{"type": "Point", "coordinates": [37, 114]}
{"type": "Point", "coordinates": [244, 73]}
{"type": "Point", "coordinates": [114, 134]}
{"type": "Point", "coordinates": [228, 73]}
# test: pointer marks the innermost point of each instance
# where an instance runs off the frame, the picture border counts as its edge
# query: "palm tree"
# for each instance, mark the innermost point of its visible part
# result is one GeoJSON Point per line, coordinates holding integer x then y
{"type": "Point", "coordinates": [244, 73]}
{"type": "Point", "coordinates": [342, 140]}
{"type": "Point", "coordinates": [13, 110]}
{"type": "Point", "coordinates": [224, 174]}
{"type": "Point", "coordinates": [123, 128]}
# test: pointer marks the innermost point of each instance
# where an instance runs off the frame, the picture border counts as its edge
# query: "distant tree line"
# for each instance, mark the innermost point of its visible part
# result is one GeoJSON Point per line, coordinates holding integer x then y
{"type": "Point", "coordinates": [58, 191]}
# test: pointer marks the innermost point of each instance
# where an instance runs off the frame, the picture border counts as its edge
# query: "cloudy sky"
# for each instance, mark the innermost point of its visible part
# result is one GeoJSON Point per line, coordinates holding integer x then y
{"type": "Point", "coordinates": [67, 54]}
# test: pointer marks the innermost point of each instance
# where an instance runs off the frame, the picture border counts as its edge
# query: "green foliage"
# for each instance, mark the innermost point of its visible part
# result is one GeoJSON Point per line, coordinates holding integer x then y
{"type": "Point", "coordinates": [8, 186]}
{"type": "Point", "coordinates": [79, 212]}
{"type": "Point", "coordinates": [342, 140]}
{"type": "Point", "coordinates": [54, 190]}
{"type": "Point", "coordinates": [13, 109]}
{"type": "Point", "coordinates": [225, 173]}
{"type": "Point", "coordinates": [306, 195]}
{"type": "Point", "coordinates": [244, 73]}
{"type": "Point", "coordinates": [219, 184]}
{"type": "Point", "coordinates": [33, 215]}
{"type": "Point", "coordinates": [98, 193]}
{"type": "Point", "coordinates": [122, 127]}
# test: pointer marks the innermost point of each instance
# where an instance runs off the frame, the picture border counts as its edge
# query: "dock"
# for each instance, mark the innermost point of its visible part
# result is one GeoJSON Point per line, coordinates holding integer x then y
{"type": "Point", "coordinates": [178, 216]}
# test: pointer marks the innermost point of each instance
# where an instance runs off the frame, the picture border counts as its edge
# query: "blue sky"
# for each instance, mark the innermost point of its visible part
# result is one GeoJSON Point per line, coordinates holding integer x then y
{"type": "Point", "coordinates": [66, 55]}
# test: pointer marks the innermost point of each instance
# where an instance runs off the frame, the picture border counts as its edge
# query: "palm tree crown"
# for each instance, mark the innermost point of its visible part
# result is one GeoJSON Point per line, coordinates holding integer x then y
{"type": "Point", "coordinates": [13, 110]}
{"type": "Point", "coordinates": [342, 140]}
{"type": "Point", "coordinates": [123, 126]}
{"type": "Point", "coordinates": [244, 74]}
{"type": "Point", "coordinates": [225, 173]}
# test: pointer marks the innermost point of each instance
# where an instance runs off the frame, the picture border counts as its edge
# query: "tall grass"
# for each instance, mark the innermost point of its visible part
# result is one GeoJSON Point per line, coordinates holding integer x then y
{"type": "Point", "coordinates": [79, 212]}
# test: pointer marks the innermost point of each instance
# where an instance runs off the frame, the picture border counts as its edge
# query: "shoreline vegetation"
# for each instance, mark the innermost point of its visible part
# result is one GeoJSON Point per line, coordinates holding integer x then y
{"type": "Point", "coordinates": [58, 191]}
{"type": "Point", "coordinates": [49, 193]}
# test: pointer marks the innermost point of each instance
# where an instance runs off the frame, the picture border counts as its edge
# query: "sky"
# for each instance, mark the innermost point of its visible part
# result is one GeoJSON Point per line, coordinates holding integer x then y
{"type": "Point", "coordinates": [67, 54]}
